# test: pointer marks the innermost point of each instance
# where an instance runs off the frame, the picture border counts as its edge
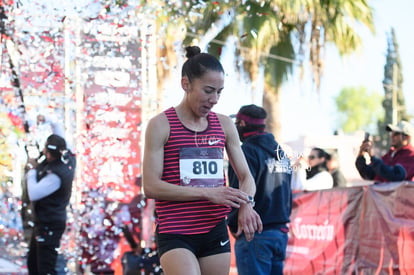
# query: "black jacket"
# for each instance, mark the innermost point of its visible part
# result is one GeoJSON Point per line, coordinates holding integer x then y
{"type": "Point", "coordinates": [272, 173]}
{"type": "Point", "coordinates": [51, 210]}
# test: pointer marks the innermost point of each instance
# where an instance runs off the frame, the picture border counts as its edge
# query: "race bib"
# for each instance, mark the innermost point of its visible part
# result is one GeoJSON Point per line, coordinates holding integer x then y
{"type": "Point", "coordinates": [201, 167]}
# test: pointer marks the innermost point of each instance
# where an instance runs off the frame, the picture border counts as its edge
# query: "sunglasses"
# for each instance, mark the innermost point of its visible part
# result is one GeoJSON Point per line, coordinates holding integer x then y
{"type": "Point", "coordinates": [312, 157]}
{"type": "Point", "coordinates": [395, 133]}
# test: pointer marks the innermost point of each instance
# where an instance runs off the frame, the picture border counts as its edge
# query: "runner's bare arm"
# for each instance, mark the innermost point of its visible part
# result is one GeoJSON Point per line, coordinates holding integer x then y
{"type": "Point", "coordinates": [236, 157]}
{"type": "Point", "coordinates": [248, 220]}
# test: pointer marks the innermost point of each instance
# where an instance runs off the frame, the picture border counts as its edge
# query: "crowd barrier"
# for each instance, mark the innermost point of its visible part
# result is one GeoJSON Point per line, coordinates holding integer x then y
{"type": "Point", "coordinates": [356, 230]}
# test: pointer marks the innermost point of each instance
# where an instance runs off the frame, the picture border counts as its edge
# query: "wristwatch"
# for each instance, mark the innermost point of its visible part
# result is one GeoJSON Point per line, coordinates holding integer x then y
{"type": "Point", "coordinates": [251, 201]}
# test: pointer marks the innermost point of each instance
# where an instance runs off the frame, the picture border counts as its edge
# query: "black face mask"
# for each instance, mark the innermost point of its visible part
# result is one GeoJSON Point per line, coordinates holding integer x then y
{"type": "Point", "coordinates": [248, 131]}
{"type": "Point", "coordinates": [315, 170]}
{"type": "Point", "coordinates": [240, 130]}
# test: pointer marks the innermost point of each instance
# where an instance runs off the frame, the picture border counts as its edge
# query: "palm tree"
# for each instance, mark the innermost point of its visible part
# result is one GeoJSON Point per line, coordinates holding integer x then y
{"type": "Point", "coordinates": [328, 22]}
{"type": "Point", "coordinates": [267, 33]}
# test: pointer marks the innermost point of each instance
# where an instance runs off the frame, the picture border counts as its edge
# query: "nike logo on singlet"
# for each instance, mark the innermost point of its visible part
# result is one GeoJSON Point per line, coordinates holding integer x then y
{"type": "Point", "coordinates": [213, 141]}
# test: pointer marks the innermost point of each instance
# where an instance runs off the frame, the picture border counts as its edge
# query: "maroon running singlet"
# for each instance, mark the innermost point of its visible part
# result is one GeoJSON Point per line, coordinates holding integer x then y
{"type": "Point", "coordinates": [192, 159]}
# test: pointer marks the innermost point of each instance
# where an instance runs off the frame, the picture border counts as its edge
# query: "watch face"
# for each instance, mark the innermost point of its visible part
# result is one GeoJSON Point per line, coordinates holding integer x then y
{"type": "Point", "coordinates": [251, 200]}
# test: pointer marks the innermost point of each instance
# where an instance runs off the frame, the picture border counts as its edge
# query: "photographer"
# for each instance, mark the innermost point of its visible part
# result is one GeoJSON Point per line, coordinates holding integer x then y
{"type": "Point", "coordinates": [397, 164]}
{"type": "Point", "coordinates": [49, 187]}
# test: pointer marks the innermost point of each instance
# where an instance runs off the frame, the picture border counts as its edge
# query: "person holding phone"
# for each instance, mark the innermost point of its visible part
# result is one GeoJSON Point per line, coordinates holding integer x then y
{"type": "Point", "coordinates": [397, 164]}
{"type": "Point", "coordinates": [49, 188]}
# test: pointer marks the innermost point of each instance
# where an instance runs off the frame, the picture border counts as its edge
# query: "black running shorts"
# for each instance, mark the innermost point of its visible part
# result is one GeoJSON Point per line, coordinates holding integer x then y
{"type": "Point", "coordinates": [202, 245]}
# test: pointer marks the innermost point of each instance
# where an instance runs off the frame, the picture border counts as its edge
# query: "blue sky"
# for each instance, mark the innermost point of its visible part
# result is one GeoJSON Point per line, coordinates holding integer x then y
{"type": "Point", "coordinates": [304, 111]}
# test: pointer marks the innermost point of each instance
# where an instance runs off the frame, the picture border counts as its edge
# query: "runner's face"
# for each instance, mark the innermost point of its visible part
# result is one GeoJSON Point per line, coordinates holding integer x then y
{"type": "Point", "coordinates": [205, 92]}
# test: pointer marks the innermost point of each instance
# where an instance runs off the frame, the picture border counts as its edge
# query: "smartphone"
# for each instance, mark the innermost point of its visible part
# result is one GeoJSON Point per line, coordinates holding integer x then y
{"type": "Point", "coordinates": [32, 151]}
{"type": "Point", "coordinates": [367, 136]}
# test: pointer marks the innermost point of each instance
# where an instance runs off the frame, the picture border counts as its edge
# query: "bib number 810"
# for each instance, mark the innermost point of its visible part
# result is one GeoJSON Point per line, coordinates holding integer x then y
{"type": "Point", "coordinates": [205, 167]}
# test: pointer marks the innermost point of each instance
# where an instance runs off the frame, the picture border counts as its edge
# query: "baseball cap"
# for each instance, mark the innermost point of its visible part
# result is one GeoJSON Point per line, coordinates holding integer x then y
{"type": "Point", "coordinates": [55, 144]}
{"type": "Point", "coordinates": [402, 127]}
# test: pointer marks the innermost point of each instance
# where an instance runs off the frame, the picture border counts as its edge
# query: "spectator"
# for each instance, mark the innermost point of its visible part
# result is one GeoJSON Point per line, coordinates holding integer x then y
{"type": "Point", "coordinates": [333, 167]}
{"type": "Point", "coordinates": [397, 164]}
{"type": "Point", "coordinates": [49, 187]}
{"type": "Point", "coordinates": [38, 135]}
{"type": "Point", "coordinates": [183, 171]}
{"type": "Point", "coordinates": [41, 130]}
{"type": "Point", "coordinates": [312, 174]}
{"type": "Point", "coordinates": [44, 127]}
{"type": "Point", "coordinates": [272, 173]}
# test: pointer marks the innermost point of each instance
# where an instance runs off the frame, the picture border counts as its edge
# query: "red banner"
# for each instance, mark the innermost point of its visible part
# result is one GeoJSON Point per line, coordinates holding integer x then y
{"type": "Point", "coordinates": [110, 157]}
{"type": "Point", "coordinates": [359, 230]}
{"type": "Point", "coordinates": [112, 109]}
{"type": "Point", "coordinates": [386, 243]}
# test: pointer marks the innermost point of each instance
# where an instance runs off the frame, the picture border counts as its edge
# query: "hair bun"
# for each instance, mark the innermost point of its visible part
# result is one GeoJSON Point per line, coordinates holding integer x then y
{"type": "Point", "coordinates": [192, 51]}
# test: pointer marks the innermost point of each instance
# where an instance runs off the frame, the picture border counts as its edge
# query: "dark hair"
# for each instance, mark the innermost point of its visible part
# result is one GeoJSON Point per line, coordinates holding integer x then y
{"type": "Point", "coordinates": [199, 63]}
{"type": "Point", "coordinates": [253, 111]}
{"type": "Point", "coordinates": [55, 145]}
{"type": "Point", "coordinates": [254, 116]}
{"type": "Point", "coordinates": [321, 153]}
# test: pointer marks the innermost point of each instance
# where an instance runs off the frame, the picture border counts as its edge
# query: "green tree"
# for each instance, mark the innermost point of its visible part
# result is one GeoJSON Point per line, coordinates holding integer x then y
{"type": "Point", "coordinates": [358, 109]}
{"type": "Point", "coordinates": [394, 101]}
{"type": "Point", "coordinates": [393, 80]}
{"type": "Point", "coordinates": [273, 34]}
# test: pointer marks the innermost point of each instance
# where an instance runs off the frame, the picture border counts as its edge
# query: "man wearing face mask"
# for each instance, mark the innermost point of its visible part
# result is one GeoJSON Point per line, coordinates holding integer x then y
{"type": "Point", "coordinates": [49, 187]}
{"type": "Point", "coordinates": [273, 200]}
